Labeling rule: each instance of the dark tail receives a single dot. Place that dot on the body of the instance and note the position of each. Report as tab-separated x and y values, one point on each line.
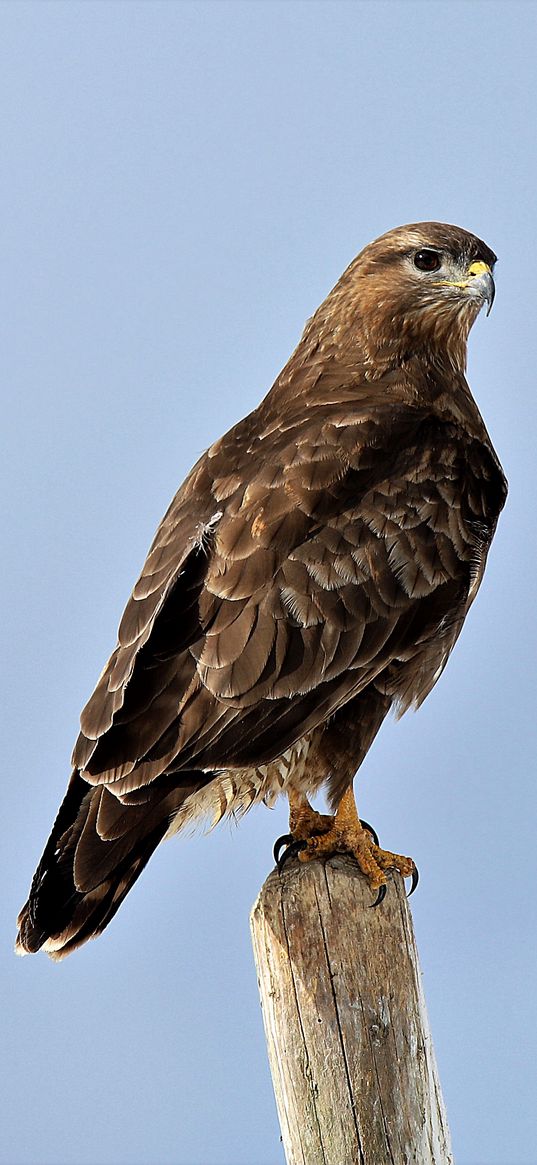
96	851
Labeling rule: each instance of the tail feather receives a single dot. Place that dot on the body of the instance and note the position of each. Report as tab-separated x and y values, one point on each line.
82	877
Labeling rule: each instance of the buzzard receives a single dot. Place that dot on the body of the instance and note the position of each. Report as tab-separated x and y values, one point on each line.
312	572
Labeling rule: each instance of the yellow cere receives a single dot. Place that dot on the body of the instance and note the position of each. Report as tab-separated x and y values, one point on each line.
479	268
476	268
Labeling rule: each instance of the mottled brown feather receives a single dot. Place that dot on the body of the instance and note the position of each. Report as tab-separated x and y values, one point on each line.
314	570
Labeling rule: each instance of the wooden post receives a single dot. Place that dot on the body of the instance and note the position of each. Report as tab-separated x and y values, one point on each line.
348	1037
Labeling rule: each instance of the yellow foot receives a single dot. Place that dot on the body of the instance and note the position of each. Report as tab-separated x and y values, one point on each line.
305	822
315	835
354	839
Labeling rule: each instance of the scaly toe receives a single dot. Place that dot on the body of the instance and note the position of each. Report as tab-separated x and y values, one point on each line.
388	861
308	823
373	861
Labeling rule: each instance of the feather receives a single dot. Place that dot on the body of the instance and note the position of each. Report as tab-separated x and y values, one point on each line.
314	570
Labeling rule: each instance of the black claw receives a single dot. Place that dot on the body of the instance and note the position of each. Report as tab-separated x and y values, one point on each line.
370	830
280	842
415	880
291	852
380	896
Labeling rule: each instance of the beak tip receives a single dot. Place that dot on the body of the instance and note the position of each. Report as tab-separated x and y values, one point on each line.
484	280
490	292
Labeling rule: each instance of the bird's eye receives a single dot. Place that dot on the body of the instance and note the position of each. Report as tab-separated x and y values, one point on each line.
427	260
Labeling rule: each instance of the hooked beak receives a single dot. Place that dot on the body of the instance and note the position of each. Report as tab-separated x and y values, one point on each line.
481	281
478	282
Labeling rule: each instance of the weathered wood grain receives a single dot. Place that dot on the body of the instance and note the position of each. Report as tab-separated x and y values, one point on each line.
348	1037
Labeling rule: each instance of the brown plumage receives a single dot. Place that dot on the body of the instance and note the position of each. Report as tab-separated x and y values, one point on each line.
314	570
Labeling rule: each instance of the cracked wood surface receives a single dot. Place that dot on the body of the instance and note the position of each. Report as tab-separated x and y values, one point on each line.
348	1037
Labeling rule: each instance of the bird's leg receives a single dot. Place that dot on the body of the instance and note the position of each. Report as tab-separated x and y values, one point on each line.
315	834
304	821
347	834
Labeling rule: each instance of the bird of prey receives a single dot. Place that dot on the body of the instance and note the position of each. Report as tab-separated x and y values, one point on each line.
312	572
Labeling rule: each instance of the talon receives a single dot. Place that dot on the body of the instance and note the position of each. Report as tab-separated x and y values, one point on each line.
415	880
291	852
280	842
321	836
380	896
370	830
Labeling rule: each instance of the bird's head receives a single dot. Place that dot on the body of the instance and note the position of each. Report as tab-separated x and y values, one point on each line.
415	290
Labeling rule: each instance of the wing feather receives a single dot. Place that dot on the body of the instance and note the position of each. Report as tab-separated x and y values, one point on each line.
253	622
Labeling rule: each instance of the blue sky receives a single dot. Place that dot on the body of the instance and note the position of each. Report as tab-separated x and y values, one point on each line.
181	185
